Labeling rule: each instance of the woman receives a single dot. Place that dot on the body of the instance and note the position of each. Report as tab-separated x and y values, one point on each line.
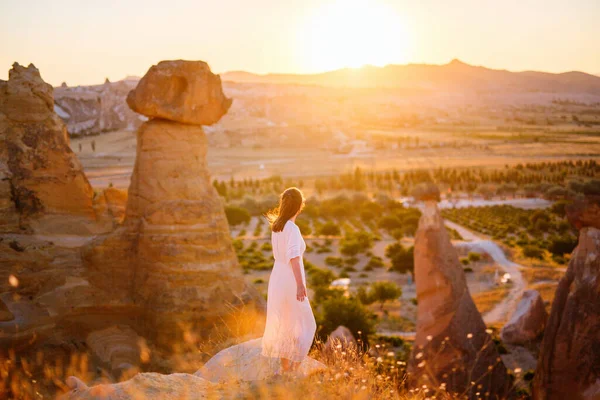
291	326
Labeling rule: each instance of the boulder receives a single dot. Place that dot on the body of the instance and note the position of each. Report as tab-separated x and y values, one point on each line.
144	386
528	320
180	91
569	360
451	345
118	347
341	336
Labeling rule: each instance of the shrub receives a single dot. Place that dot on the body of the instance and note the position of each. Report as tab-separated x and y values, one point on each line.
402	259
237	215
474	257
562	245
351	261
468	269
375	262
329	229
349	312
333	261
320	277
304	227
532	251
266	246
384	291
389	223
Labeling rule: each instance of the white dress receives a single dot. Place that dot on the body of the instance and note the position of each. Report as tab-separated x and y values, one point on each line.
290	327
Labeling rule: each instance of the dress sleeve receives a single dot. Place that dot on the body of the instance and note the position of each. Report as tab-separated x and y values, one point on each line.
294	244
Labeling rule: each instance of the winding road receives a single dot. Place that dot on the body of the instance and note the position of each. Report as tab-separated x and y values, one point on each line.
501	312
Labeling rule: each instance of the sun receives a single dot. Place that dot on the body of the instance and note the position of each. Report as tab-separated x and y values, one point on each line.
353	33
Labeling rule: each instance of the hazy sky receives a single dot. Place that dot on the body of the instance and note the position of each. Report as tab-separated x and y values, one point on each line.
84	41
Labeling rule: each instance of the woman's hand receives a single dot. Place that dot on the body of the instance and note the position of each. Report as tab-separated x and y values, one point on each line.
300	293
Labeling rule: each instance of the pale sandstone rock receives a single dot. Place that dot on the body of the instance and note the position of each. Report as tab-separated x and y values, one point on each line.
569	360
528	320
451	344
144	386
181	91
245	362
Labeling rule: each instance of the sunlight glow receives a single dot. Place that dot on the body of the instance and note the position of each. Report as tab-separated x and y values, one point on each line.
353	33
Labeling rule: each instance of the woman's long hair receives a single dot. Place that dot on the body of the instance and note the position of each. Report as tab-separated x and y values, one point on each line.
290	202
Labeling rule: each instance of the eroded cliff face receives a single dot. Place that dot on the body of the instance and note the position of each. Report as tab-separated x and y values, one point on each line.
42	185
451	345
569	360
48	210
94	109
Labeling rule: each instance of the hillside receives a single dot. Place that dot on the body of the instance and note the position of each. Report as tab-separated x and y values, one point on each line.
454	76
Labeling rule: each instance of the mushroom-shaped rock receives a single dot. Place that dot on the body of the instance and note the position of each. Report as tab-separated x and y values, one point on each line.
426	192
180	91
585	211
528	320
451	344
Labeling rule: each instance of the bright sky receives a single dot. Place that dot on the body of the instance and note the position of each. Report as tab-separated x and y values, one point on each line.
82	42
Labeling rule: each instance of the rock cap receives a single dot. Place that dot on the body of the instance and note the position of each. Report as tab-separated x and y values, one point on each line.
181	91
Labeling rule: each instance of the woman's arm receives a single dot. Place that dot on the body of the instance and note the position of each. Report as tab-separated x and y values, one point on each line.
300	288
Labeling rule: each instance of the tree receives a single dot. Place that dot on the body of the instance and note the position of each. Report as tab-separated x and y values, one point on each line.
402	258
236	215
384	291
562	245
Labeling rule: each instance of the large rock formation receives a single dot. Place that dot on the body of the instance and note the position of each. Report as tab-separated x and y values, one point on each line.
528	320
93	109
173	258
569	362
47	212
42	185
180	91
451	344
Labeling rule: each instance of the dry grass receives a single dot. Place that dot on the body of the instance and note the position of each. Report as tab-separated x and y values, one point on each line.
539	274
485	301
547	291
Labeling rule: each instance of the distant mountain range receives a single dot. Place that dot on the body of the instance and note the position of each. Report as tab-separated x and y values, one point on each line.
454	76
